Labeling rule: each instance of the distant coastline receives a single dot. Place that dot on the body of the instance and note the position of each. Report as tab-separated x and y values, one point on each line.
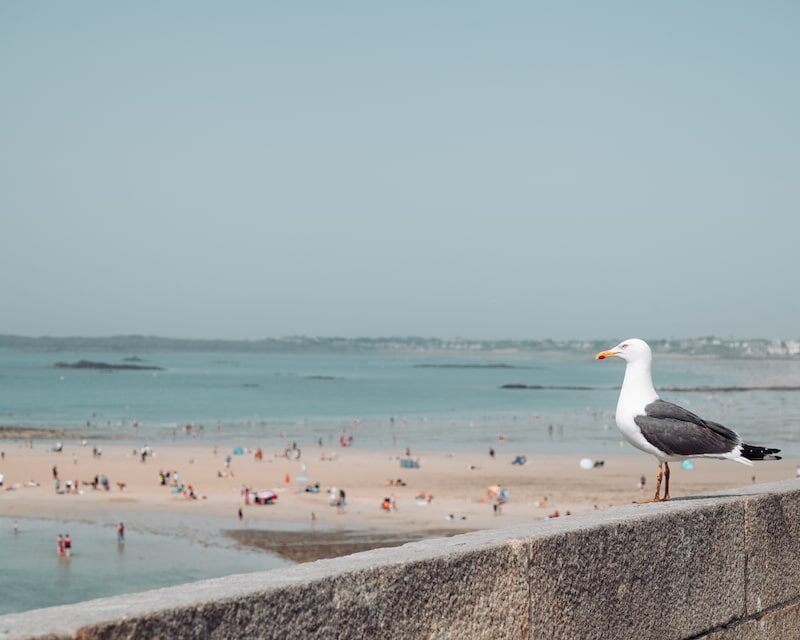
132	344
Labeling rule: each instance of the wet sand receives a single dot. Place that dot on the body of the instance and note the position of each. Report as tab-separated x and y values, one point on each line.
15	433
305	546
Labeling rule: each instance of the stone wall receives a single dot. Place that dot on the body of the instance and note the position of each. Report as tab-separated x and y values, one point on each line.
724	567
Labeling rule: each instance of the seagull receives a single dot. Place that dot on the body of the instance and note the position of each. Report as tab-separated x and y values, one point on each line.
665	430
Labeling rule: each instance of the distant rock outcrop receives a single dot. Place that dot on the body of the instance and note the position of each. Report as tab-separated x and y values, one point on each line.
545	387
465	365
105	366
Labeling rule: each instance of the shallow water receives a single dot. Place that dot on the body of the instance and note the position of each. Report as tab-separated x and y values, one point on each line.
252	399
32	575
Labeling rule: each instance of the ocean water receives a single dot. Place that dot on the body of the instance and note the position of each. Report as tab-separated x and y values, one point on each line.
383	400
32	575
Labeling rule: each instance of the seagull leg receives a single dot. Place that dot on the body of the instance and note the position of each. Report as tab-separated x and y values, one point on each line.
666	481
657	498
659	475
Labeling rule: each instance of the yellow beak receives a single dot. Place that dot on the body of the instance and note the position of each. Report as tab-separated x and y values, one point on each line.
605	354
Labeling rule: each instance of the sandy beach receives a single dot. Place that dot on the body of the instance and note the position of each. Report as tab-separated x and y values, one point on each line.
458	483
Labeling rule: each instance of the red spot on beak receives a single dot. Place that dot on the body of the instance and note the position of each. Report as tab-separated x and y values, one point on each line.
601	357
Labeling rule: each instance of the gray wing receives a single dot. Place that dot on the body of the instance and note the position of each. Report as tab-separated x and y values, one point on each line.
676	431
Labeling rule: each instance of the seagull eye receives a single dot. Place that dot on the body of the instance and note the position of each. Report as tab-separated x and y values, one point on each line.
624	346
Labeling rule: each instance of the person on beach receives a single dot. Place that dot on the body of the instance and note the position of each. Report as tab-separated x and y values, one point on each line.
55	472
120	532
241	514
60	545
67	546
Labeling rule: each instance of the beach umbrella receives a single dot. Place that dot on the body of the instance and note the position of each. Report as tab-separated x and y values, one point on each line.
238	451
688	465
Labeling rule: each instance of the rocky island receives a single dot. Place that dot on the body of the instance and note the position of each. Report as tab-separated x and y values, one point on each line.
105	366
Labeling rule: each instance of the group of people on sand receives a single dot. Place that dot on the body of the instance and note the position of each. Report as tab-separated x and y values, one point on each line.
172	479
168	477
345	439
337	498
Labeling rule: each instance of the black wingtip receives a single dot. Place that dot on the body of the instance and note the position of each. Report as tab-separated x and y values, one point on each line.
751	452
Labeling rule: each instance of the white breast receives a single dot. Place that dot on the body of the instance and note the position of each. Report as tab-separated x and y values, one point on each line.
636	393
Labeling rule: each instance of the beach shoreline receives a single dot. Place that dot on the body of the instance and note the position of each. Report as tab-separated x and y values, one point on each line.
448	492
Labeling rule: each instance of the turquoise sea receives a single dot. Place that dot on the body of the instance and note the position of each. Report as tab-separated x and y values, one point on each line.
422	400
33	575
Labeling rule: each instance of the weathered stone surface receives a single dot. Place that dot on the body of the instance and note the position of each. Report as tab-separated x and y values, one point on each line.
727	566
779	624
473	586
671	574
773	548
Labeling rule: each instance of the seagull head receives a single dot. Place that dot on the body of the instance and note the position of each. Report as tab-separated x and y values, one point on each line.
630	350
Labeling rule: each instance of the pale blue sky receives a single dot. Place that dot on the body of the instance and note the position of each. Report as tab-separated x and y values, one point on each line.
512	169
